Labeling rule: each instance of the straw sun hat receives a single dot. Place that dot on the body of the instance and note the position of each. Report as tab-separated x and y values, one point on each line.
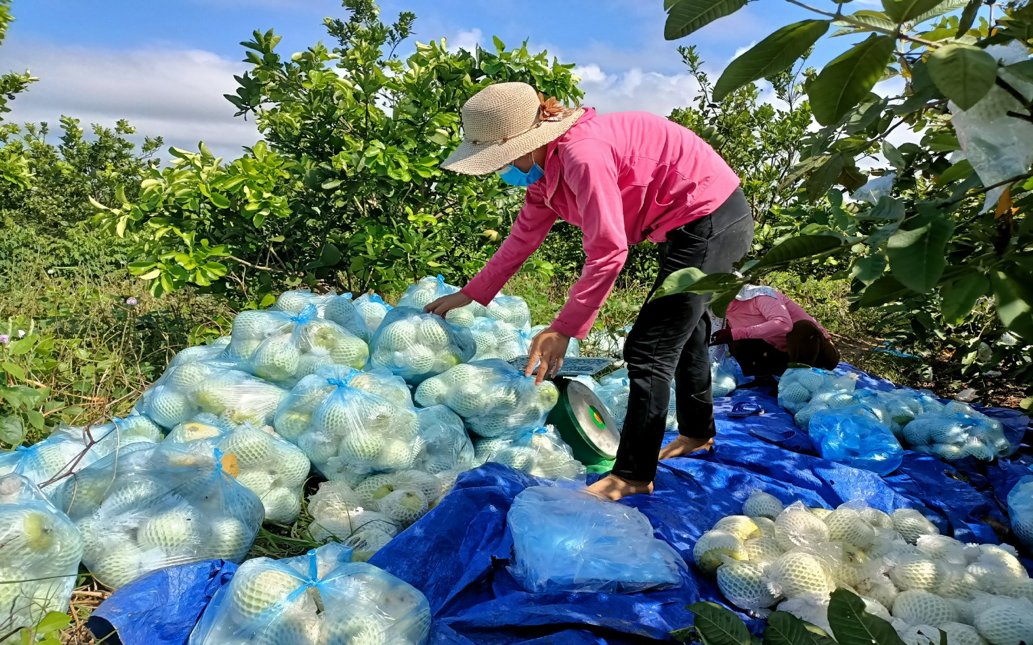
504	122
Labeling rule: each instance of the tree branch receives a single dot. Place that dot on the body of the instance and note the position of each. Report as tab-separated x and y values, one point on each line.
887	32
248	264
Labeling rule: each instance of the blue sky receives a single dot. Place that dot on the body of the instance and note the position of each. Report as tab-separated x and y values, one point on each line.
165	65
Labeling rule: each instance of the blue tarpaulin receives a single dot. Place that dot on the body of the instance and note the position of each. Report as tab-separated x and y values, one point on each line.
459	553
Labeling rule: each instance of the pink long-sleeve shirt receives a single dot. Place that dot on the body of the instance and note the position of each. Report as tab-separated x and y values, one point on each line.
621	178
766	318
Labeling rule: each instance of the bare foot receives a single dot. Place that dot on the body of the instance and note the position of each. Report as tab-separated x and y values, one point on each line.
614	488
682	446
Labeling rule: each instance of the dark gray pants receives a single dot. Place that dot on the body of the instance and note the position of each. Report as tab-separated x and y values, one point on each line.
670	340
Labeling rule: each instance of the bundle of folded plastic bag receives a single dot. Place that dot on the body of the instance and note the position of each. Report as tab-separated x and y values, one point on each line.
151	506
269	466
567	540
352	423
373	309
320	598
366	516
956	431
540	452
573	347
446	443
188	389
492	397
722	377
855	436
40	550
283	348
497	339
429	289
798	386
416	345
1020	509
69	449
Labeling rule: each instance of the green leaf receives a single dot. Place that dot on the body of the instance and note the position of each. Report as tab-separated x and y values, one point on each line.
960	170
719	626
959	297
1013	295
719	305
11	430
770	56
1023	69
851	625
887	209
904	10
220	201
693	280
939	10
884	290
968	17
329	256
893	155
963	73
917	251
819	181
36	419
686	16
684	635
798	247
868	20
849	78
868	269
16	372
786	629
53	622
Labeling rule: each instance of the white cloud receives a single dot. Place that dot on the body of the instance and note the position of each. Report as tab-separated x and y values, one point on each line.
467	39
636	89
742	50
173	93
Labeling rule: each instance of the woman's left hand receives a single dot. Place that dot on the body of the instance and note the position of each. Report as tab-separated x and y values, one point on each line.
547	350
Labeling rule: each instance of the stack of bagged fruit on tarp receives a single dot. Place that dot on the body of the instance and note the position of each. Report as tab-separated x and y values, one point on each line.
791	558
870	429
227	437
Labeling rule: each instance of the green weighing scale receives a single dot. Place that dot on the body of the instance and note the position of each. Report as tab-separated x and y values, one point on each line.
580	416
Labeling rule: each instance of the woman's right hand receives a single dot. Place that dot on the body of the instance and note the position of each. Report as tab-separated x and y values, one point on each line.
445	304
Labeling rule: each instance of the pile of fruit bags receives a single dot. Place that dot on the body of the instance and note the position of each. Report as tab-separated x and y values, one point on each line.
497	339
906	572
539	452
956	431
40	550
151	506
320	598
798	386
567	540
417	346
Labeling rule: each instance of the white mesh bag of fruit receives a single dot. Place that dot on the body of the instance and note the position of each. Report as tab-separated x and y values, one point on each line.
492	397
69	449
512	310
417	345
351	423
213	351
186	390
372	308
957	431
447	445
429	289
799	385
320	598
540	452
269	466
40	550
297	300
283	348
498	339
151	506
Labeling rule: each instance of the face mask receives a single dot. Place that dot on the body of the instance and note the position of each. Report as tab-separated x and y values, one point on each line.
516	177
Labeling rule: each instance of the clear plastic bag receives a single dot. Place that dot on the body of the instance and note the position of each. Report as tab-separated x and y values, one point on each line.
296	301
40	550
1020	509
352	423
372	308
342	311
416	345
69	449
854	436
722	377
956	431
321	598
186	390
540	452
497	339
283	348
573	347
153	506
429	289
447	446
798	386
213	351
614	393
512	310
822	401
269	466
566	540
492	397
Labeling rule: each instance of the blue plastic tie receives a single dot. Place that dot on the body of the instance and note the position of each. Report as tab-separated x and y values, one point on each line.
347	295
377	299
342	382
441	279
23	449
307	314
